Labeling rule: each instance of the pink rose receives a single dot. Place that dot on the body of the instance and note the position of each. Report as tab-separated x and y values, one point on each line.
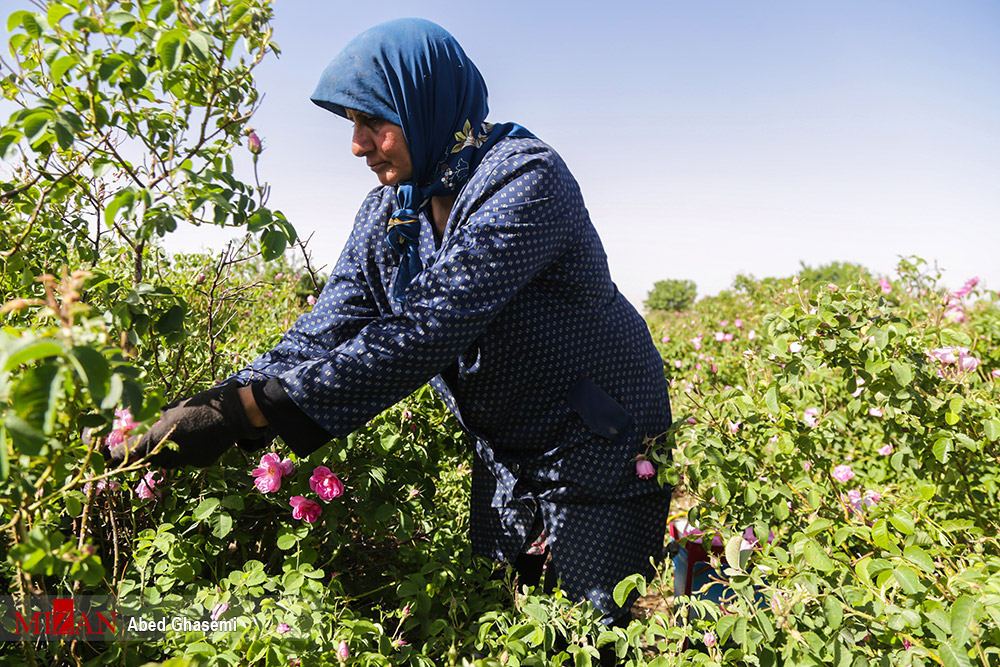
343	653
267	476
751	335
969	285
326	485
875	412
102	484
307	510
884	283
124	421
885	450
738	323
719	336
643	468
795	347
218	610
287	467
843	473
147	485
967	362
311	300
284	628
709	639
947	355
811	416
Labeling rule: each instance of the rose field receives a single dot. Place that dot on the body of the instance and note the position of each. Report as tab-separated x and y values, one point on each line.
835	433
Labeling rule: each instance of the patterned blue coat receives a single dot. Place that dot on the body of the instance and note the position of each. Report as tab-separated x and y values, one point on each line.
517	325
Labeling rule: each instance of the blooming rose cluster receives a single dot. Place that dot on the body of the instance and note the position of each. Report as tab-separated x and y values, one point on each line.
326	485
954	310
954	355
268	475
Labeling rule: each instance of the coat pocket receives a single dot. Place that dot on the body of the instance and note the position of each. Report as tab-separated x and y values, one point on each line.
601	413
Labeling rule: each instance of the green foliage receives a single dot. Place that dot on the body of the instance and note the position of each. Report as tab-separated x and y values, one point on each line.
778	388
127	116
671	295
834	273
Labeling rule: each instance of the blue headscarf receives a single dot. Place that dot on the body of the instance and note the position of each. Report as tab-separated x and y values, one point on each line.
413	73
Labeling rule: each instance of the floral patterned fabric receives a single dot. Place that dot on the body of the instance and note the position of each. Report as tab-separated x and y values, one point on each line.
516	323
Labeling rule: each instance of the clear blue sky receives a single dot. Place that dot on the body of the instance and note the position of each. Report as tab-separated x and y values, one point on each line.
710	138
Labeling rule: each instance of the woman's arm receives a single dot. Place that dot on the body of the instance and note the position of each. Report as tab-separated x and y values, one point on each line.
522	219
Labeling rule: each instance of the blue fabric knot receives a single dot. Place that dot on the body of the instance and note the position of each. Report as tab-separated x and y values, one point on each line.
404	237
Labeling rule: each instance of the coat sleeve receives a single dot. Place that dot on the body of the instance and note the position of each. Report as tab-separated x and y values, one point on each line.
515	227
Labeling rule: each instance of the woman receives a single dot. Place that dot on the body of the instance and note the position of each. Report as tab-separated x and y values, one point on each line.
474	267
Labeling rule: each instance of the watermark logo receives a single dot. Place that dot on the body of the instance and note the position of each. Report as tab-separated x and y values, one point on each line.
97	618
57	618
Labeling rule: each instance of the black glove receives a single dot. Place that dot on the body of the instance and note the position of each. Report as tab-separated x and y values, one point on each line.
204	426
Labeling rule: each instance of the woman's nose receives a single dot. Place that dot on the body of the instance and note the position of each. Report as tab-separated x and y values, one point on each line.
361	142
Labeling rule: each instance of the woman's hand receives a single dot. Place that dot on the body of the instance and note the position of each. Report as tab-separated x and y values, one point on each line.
203	426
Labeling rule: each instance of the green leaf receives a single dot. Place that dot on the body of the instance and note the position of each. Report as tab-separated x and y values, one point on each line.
293	580
171	321
116	387
952	337
991	427
919	557
61	66
24	437
626	586
15	19
389	442
31	349
125	198
817	557
4	456
205	509
962	616
35	125
170	48
93	369
881	536
32	25
954	657
881	337
199	44
902	372
771	399
902	522
222	524
36	396
273	244
57	13
834	612
8	141
733	551
908	579
942	447
286	541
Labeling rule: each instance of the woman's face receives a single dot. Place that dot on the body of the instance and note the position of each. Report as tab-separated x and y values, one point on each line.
383	146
